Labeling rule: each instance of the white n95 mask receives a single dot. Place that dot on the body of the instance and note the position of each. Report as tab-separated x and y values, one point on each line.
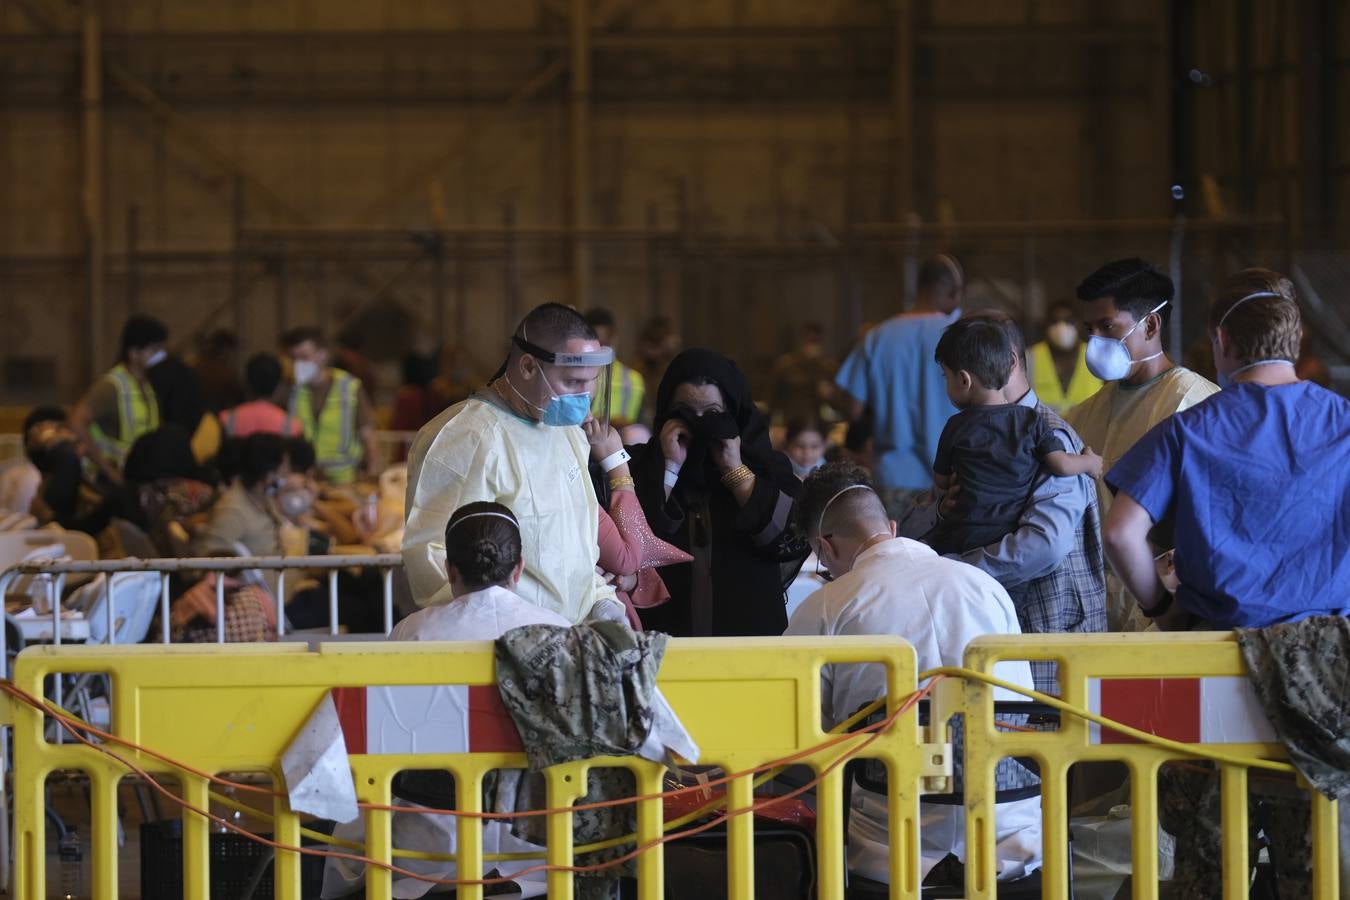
305	371
1109	359
1061	335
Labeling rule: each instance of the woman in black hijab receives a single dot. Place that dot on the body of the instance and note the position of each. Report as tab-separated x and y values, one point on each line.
711	484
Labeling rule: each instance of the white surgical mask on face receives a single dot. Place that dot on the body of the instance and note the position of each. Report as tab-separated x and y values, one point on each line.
305	371
156	358
1109	359
295	502
1061	335
802	471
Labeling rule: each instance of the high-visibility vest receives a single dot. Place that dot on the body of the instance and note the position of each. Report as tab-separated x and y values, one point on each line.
337	446
137	414
627	389
1049	389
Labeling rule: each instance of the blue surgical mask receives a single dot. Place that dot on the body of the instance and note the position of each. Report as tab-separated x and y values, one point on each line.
569	409
561	410
1109	359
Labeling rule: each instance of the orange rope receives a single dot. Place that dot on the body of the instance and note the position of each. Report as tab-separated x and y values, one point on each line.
74	726
72	722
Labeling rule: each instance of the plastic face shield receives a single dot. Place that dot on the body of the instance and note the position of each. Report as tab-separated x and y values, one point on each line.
602	359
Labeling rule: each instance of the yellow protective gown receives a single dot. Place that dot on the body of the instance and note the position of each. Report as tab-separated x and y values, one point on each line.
1110	422
476	451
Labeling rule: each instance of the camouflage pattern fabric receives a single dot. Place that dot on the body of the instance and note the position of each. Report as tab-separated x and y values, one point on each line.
1301	672
1189	804
577	693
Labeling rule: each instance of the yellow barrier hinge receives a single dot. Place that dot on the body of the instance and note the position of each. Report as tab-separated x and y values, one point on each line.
937	768
947	698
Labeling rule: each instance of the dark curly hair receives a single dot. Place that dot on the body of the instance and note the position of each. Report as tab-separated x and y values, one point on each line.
482	542
825	483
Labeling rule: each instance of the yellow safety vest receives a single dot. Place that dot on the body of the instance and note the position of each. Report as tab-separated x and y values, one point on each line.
337	446
1045	379
137	414
627	389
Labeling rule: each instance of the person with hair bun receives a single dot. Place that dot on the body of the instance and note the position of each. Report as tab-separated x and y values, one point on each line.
1255	481
483	565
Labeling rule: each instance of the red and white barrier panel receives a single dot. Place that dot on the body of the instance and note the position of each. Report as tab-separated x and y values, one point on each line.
427	718
1210	710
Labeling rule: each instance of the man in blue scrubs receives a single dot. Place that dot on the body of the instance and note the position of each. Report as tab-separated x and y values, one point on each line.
1254	481
892	373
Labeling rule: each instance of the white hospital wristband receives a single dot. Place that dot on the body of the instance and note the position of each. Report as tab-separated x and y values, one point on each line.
614	460
672	474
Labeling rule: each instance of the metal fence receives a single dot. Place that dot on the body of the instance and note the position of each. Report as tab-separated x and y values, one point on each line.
52	574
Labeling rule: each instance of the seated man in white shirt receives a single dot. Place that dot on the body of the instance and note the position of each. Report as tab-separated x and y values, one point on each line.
883	584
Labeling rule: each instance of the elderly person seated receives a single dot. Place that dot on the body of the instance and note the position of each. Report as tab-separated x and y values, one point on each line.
883	584
1254	481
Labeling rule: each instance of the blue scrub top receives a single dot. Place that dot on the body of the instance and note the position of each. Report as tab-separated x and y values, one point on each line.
893	372
1256	480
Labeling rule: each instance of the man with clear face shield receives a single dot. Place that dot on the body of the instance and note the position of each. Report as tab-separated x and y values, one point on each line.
518	442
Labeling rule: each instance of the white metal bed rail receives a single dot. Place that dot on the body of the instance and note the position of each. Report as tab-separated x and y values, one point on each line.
54	572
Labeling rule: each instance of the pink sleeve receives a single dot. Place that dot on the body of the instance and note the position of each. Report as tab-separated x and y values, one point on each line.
620	548
650	591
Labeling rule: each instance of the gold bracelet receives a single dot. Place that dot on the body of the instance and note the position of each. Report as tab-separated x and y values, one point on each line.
737	476
622	483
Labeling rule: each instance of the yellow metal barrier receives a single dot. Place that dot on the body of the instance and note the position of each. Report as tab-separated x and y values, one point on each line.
746	702
1086	664
237	708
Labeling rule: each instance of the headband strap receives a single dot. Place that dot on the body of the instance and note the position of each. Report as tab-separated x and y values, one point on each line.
1254	296
826	508
602	357
479	515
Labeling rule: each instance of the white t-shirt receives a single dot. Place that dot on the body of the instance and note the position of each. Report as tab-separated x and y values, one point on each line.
481	616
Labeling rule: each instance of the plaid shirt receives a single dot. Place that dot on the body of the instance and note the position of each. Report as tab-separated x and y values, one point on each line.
1073	596
1068	593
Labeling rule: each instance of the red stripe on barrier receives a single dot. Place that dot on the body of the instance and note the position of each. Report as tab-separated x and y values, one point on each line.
491	729
1166	707
351	710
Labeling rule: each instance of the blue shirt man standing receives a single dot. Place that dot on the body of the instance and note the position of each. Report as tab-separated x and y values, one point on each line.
1254	482
892	373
